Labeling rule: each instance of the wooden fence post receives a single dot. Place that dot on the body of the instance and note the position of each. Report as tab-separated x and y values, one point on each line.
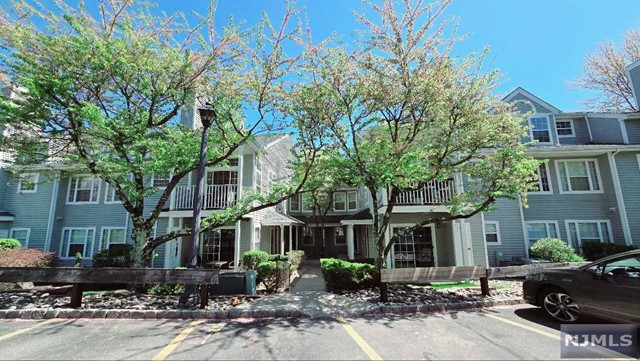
204	295
484	285
384	294
76	295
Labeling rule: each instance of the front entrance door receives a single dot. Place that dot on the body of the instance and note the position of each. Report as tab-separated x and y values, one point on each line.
414	249
173	250
218	247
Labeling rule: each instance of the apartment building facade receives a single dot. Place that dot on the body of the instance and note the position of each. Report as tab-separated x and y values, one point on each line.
588	189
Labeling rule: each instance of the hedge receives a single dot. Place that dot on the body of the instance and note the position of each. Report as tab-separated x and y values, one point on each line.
251	259
593	250
343	275
9	243
554	250
26	258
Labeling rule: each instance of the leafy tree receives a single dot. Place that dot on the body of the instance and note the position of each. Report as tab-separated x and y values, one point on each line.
605	72
403	110
103	91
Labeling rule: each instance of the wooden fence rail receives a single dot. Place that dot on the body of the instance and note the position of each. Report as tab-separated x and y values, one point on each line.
80	276
457	274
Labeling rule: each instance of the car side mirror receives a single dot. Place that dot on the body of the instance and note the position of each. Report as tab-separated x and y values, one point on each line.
594	271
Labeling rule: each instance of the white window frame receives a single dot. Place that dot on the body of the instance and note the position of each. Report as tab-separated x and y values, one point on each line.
95	179
26	243
546	116
336	238
313	240
108	240
546	223
23	177
573	129
579	240
333	198
258	175
550	191
585	161
108	189
497	224
304	207
153	180
355	196
255	244
299	198
70	229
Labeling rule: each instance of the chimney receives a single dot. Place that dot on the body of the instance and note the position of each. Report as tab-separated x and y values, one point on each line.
633	72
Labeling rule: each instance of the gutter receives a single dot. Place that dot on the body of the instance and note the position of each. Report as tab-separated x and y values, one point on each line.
622	210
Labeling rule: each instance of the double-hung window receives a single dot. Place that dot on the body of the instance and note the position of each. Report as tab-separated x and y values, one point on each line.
581	231
161	180
28	183
307	203
540	129
352	200
564	128
339	201
579	176
258	175
492	233
77	240
294	203
339	239
110	194
83	189
21	234
112	237
543	183
541	229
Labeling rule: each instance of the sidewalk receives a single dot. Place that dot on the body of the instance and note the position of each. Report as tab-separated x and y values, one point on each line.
310	298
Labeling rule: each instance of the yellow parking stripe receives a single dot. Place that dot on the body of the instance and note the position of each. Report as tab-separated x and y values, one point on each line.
359	340
21	331
176	341
521	325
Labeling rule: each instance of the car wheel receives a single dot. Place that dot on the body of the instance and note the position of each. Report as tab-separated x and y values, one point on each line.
560	305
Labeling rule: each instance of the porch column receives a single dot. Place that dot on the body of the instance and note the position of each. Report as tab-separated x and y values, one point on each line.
236	251
290	237
387	239
350	246
282	239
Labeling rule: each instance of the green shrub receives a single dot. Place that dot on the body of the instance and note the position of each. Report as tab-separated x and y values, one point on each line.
295	258
115	256
274	275
9	243
251	259
26	258
554	250
278	257
593	250
343	275
166	289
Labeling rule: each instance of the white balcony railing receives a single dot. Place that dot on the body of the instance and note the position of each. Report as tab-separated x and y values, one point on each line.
214	196
433	193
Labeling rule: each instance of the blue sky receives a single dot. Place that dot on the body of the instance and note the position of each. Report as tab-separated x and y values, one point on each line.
539	45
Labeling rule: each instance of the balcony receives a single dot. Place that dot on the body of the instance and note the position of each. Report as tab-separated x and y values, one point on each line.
218	196
433	193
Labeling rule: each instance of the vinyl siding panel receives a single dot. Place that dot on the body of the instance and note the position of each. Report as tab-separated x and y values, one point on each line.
629	175
606	130
634	74
507	213
539	108
633	130
477	241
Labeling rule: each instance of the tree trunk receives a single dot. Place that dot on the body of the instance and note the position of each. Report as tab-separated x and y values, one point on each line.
141	250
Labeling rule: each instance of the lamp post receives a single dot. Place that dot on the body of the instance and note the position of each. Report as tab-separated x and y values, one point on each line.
191	297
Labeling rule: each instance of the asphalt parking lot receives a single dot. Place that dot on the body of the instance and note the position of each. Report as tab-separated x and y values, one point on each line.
502	333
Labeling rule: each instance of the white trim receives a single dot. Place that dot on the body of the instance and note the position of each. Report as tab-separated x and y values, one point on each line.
107	188
549	182
26	242
70	229
628	74
586	119
585	160
109	229
298	196
523	226
255	243
333	198
522	91
597	221
497	224
94	178
52	211
638	156
622	210
357	222
391	257
573	129
546	223
486	251
531	129
35	183
348	200
623	130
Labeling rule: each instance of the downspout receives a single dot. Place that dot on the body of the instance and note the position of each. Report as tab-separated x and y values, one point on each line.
586	119
525	234
52	209
620	200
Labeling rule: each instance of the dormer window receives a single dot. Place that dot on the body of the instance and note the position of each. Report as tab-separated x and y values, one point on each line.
540	129
565	128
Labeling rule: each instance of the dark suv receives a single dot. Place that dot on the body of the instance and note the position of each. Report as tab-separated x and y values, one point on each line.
608	288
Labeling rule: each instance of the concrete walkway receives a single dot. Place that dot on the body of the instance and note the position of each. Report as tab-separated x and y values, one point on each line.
310	298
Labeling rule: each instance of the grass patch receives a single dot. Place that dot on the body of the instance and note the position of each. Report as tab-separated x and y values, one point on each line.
93	293
441	286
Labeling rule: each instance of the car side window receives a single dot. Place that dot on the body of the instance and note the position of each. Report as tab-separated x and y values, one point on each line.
628	267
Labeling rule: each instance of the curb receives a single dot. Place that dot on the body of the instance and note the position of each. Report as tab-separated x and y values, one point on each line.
235	313
437	307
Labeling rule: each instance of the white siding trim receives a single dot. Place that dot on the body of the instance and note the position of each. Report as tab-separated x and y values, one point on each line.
586	119
525	236
486	251
623	130
622	209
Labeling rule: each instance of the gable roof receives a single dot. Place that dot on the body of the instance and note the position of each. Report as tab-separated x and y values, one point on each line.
525	93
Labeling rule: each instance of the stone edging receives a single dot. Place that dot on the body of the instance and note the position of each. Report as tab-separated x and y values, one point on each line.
234	313
438	307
